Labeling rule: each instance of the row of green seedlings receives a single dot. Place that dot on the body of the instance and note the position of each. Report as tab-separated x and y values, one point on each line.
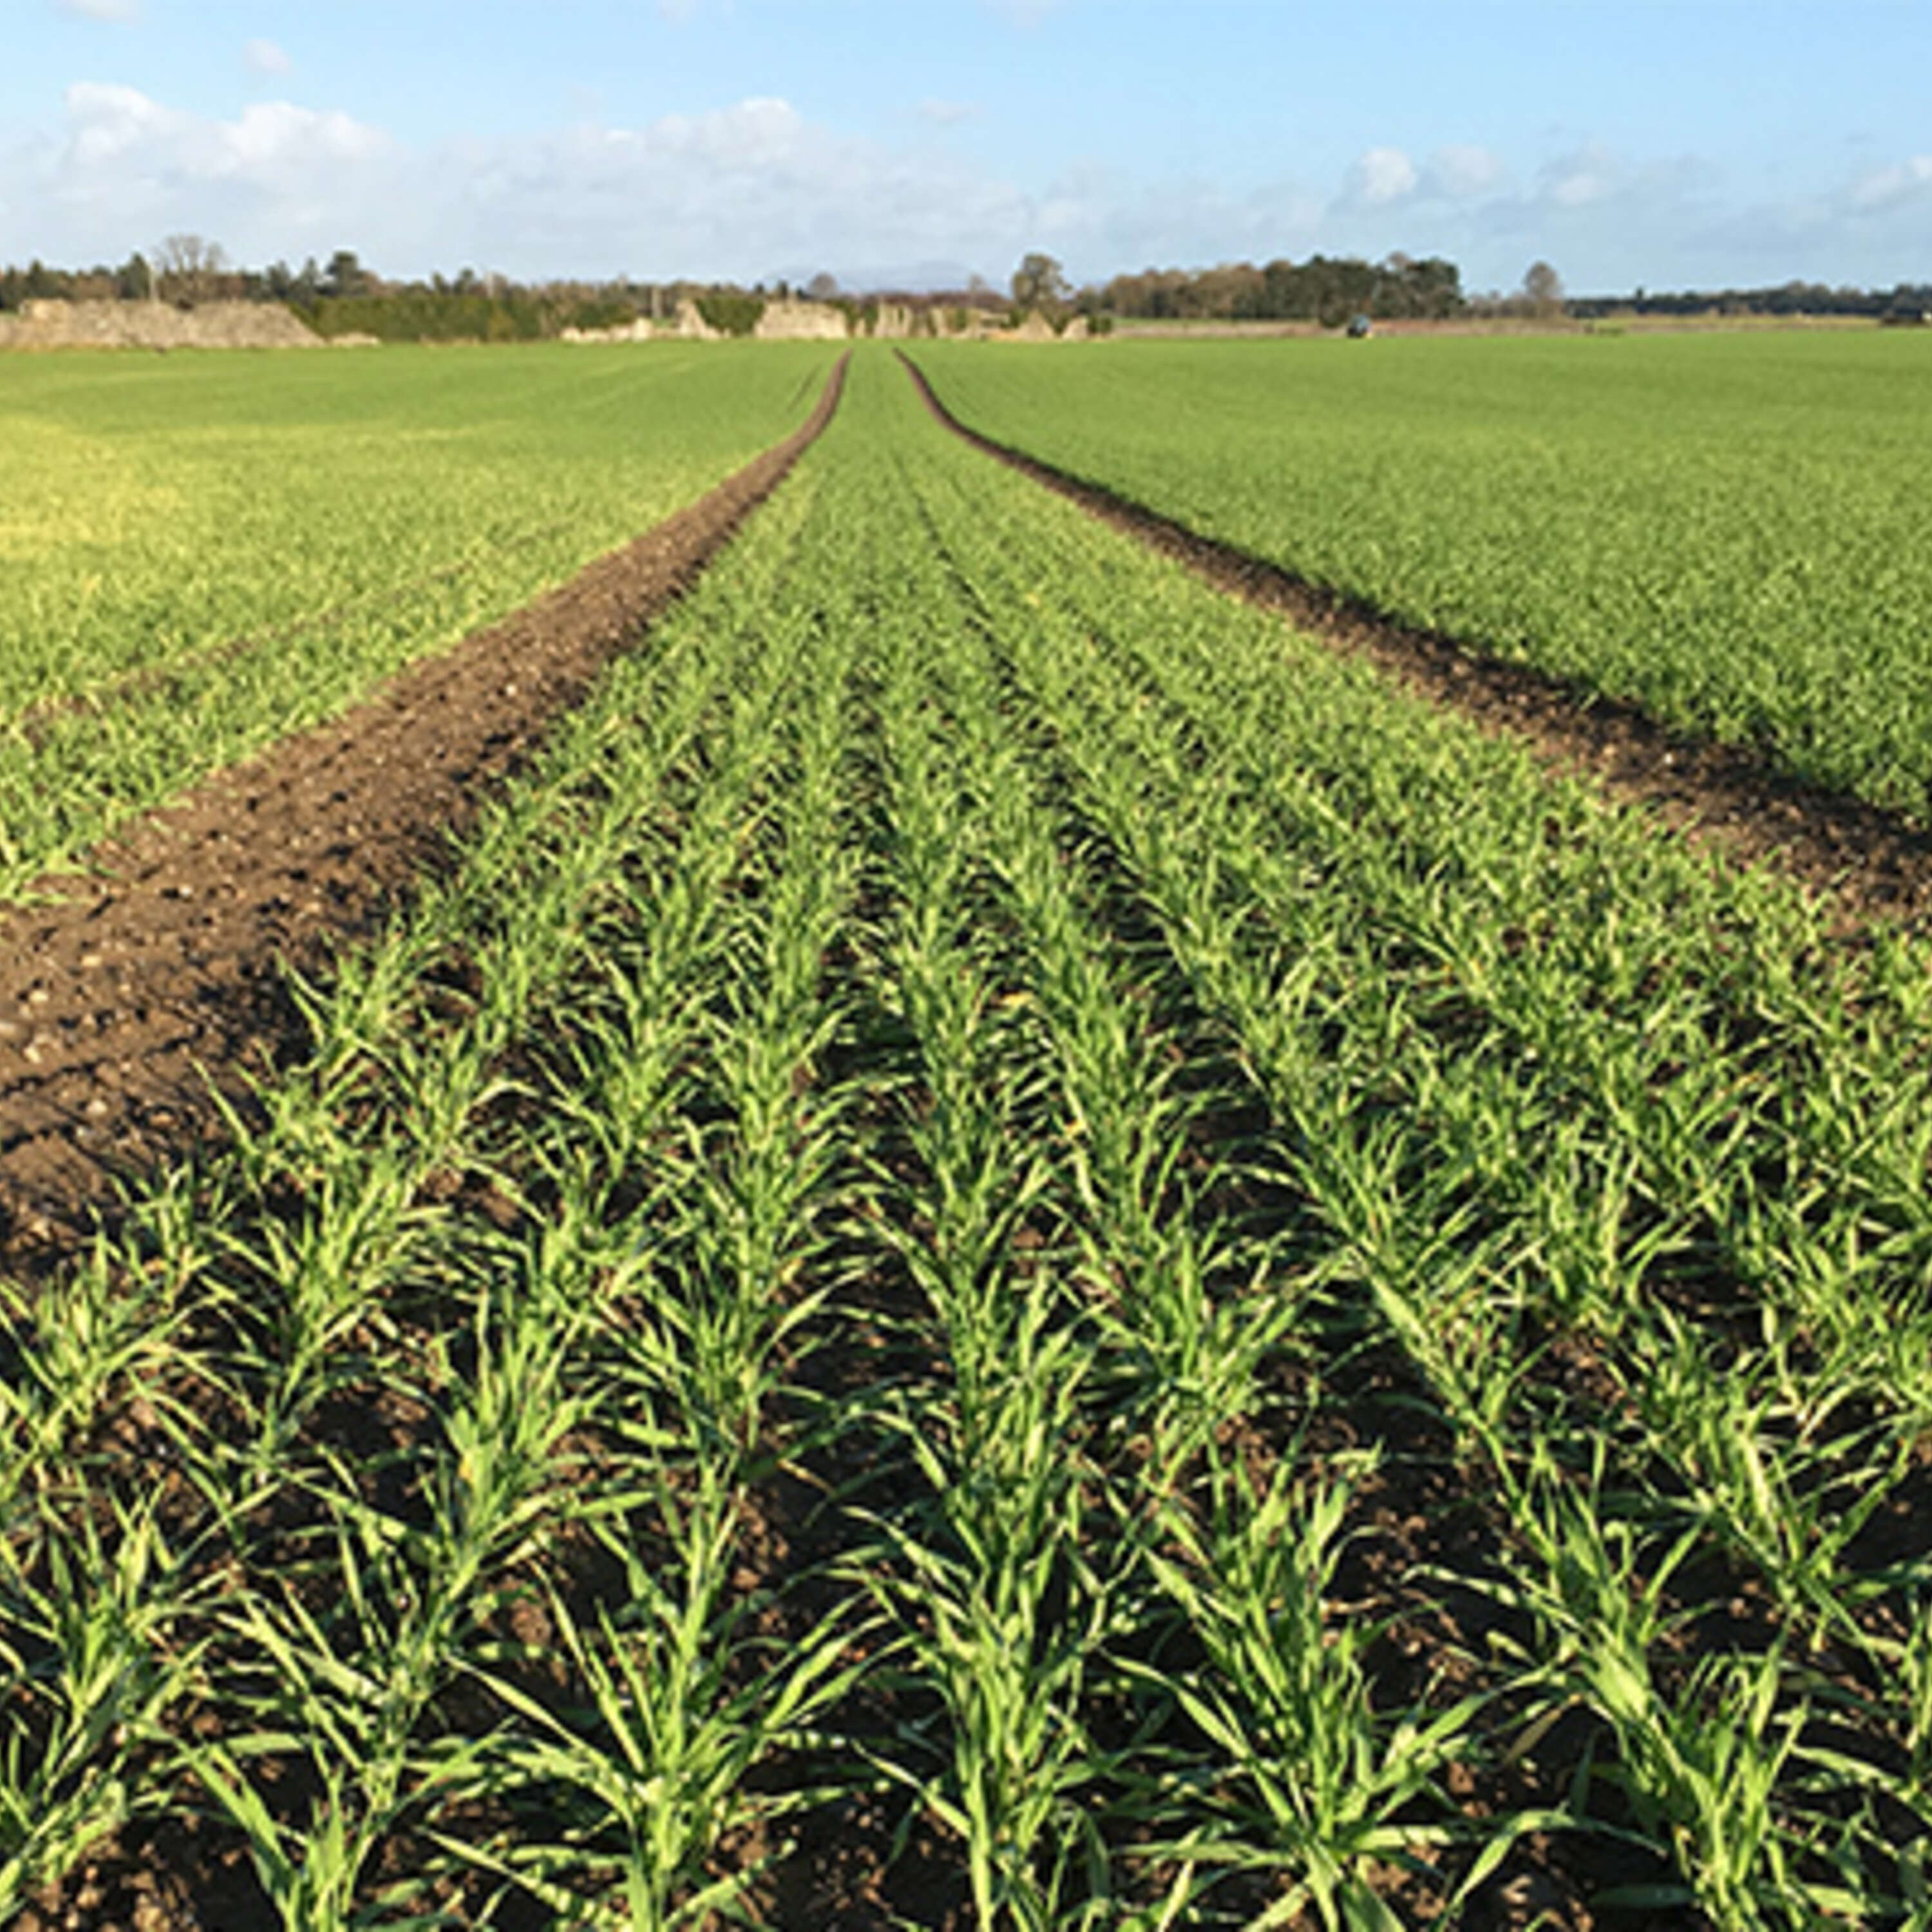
1403	1254
73	771
318	1641
1126	1623
1734	542
707	1694
1427	1166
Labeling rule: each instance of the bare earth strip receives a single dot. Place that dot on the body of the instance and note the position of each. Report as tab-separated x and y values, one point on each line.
1874	864
165	960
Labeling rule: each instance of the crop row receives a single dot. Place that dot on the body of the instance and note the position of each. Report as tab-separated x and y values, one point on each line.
1729	531
1009	1222
204	555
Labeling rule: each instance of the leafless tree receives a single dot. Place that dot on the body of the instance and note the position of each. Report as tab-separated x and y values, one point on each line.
187	269
1543	291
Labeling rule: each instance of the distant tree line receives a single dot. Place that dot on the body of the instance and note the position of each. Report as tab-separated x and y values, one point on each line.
185	270
343	297
349	300
1325	289
1787	298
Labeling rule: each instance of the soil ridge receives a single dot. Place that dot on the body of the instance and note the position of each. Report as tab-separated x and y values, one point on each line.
1874	864
166	957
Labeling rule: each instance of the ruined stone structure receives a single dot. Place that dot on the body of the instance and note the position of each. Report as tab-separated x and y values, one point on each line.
154	325
690	323
638	329
795	321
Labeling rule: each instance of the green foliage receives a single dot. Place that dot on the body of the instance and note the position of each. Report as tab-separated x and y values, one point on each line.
1730	531
427	315
204	553
606	312
731	311
1004	1205
1326	288
1040	283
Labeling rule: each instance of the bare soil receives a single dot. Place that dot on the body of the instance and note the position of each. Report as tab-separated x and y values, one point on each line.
1874	864
131	989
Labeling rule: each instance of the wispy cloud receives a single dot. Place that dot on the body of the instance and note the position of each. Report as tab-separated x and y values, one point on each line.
127	167
946	113
1458	171
265	57
741	191
102	9
1588	174
1903	182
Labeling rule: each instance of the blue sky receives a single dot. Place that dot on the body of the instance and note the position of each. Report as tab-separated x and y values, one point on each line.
1660	143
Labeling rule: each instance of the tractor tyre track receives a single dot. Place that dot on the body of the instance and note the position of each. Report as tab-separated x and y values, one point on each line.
1874	864
163	963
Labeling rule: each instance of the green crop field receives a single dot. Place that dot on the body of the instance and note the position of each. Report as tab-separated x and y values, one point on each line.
203	552
1015	1251
1733	530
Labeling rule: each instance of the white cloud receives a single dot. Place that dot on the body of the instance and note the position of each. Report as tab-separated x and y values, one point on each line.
740	190
122	127
266	57
1589	174
104	122
276	180
1460	172
273	133
756	187
746	190
1378	177
946	113
1883	188
102	9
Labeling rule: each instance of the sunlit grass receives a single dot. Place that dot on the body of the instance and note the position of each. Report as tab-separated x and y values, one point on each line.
1728	529
205	554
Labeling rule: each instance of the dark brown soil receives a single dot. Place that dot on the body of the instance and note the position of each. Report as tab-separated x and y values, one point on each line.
162	967
1874	864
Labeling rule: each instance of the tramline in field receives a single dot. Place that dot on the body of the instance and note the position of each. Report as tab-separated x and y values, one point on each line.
1012	1250
1732	531
205	555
